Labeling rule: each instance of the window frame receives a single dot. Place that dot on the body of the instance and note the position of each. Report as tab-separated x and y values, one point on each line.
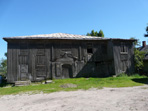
123	48
89	48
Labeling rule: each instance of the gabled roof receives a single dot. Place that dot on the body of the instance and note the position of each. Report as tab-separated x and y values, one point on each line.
63	36
146	50
55	36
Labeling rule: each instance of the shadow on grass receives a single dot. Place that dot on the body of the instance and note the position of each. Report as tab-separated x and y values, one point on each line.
4	84
141	80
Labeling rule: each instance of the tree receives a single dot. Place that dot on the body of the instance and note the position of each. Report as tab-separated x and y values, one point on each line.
3	66
101	34
147	29
138	56
95	33
146	35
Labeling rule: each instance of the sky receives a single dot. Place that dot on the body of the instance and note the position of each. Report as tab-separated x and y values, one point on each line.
117	18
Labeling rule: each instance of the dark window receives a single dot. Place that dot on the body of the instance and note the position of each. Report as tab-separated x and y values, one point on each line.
89	48
123	48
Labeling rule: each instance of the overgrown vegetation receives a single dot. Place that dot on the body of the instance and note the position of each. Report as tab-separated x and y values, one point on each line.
138	56
80	83
3	66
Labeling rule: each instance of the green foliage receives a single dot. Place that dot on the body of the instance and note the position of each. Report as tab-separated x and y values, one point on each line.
3	66
146	35
131	75
81	83
137	42
122	75
101	34
139	56
88	34
5	54
95	33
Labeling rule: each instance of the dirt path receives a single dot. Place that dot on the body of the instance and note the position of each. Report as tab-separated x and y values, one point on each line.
107	99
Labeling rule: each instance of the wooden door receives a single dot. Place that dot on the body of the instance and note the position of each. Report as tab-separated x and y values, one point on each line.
66	71
40	61
23	62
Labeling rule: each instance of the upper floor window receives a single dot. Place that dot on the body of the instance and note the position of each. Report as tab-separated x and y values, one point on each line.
89	48
123	48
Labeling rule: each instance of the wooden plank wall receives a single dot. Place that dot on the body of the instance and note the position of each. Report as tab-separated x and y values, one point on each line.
12	62
106	58
121	65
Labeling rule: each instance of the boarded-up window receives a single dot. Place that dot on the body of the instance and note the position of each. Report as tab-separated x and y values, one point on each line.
40	60
41	49
40	71
23	49
23	59
104	48
124	56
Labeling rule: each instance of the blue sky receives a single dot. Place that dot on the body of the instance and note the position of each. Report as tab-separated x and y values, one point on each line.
117	18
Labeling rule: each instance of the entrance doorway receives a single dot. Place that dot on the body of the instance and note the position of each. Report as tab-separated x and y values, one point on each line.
66	71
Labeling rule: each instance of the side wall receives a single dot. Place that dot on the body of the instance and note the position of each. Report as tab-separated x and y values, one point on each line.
28	60
123	57
12	61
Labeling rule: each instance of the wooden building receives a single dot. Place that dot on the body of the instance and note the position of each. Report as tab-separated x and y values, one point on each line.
61	55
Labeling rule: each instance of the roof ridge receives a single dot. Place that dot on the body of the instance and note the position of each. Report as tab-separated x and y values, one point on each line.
60	35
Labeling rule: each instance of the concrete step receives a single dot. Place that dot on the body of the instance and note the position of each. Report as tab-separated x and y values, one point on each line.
48	81
22	83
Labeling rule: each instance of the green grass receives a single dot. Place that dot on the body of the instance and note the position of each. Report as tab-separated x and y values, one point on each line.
82	83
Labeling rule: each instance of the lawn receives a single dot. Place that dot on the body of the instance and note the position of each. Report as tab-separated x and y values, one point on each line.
80	83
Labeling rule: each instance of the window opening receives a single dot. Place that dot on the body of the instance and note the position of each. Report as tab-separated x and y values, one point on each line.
123	48
89	48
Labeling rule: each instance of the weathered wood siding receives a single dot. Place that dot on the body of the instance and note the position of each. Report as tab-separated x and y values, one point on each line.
37	60
12	70
123	57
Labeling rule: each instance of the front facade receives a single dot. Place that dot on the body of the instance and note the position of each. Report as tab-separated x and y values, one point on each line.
58	56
